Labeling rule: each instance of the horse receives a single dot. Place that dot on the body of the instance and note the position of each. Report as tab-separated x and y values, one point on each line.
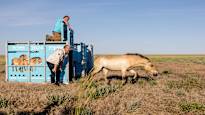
19	61
33	61
124	63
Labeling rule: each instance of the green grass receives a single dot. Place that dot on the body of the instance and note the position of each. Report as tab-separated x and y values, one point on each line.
191	106
180	93
197	59
133	105
187	83
82	111
57	100
3	102
101	91
143	82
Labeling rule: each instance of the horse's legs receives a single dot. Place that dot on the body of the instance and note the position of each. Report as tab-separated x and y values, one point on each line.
96	70
25	68
90	80
17	68
21	69
31	68
105	72
133	72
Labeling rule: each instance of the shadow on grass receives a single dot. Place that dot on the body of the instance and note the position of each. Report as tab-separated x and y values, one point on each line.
130	78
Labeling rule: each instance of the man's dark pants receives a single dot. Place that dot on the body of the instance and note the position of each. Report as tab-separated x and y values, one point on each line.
55	77
65	31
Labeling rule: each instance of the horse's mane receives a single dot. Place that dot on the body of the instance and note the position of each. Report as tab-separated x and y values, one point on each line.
136	54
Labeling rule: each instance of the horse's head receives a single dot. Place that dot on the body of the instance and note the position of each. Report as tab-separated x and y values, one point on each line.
23	58
39	60
151	69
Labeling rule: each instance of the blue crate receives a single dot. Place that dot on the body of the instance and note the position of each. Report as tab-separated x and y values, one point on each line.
40	73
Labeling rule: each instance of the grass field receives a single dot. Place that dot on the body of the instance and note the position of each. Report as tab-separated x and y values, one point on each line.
179	89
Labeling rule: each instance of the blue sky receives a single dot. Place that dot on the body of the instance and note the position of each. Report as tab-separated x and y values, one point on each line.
112	26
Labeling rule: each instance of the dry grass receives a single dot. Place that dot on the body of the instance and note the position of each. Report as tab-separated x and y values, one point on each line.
179	89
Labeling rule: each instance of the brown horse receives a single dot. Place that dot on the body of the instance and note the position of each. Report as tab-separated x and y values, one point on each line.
19	61
123	63
33	61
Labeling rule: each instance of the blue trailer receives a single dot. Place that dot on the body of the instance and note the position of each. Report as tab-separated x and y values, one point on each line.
35	70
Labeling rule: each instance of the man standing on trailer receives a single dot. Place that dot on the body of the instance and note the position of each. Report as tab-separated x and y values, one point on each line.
61	30
54	62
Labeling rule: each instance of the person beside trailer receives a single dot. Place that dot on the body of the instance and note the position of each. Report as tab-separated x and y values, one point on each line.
55	61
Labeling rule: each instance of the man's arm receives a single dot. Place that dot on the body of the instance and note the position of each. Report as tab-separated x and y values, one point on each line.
69	26
55	68
59	56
